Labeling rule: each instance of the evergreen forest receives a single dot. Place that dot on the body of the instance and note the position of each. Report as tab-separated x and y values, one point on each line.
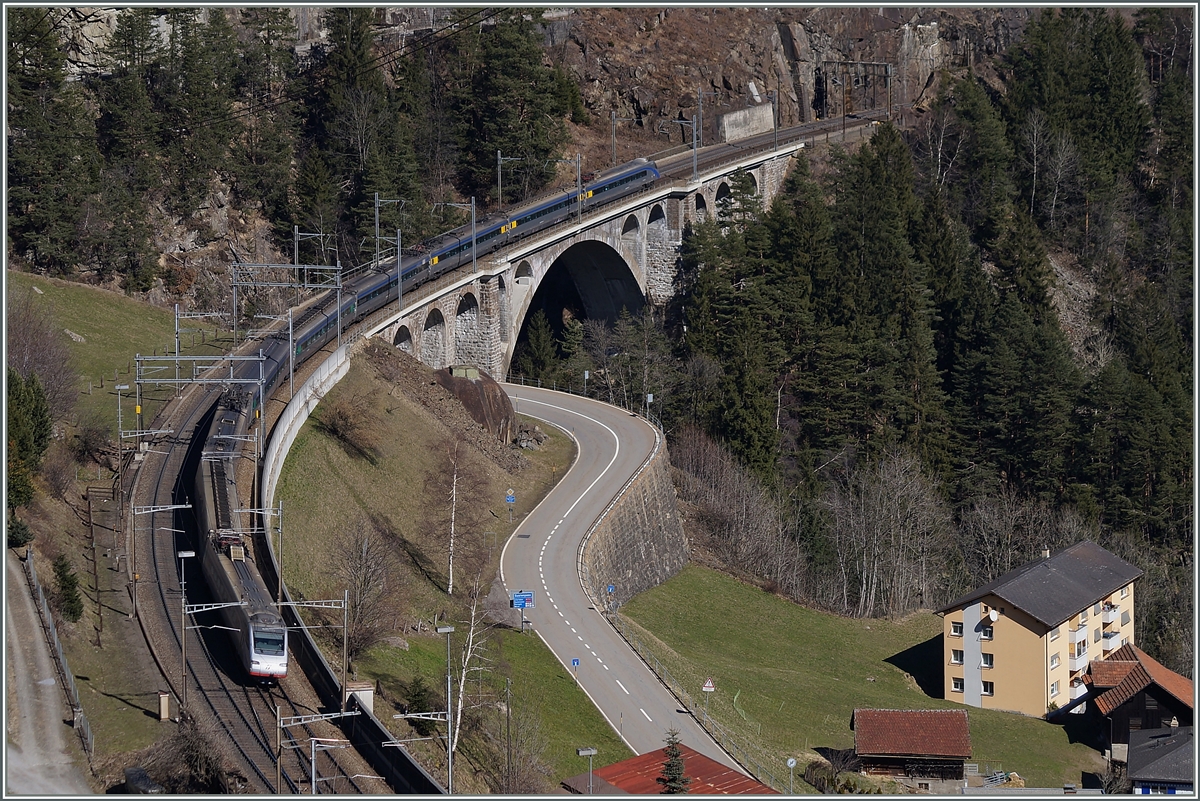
876	394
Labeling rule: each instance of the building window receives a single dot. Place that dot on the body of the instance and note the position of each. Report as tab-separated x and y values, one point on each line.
1054	632
956	684
989	688
1125	591
988	661
1080	648
985	633
1096	609
1125	618
1124	641
956	657
1083	617
955	629
1053	661
1054	689
1097	636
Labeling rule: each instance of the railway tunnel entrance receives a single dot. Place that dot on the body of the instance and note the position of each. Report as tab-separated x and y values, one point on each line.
589	281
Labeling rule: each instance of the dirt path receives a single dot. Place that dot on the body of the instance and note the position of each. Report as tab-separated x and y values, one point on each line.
42	754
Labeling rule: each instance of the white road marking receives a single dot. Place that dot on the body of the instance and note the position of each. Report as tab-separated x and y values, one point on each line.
622	686
647	716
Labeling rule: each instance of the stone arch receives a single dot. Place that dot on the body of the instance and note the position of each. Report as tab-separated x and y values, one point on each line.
753	183
723	192
701	207
658	217
433	340
469	346
524	274
630	228
403	339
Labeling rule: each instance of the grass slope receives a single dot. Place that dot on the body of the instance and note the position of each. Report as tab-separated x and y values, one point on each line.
324	485
115	329
788	678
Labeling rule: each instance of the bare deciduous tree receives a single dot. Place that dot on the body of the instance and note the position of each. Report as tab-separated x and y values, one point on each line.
457	479
37	345
1061	166
363	563
1035	134
892	534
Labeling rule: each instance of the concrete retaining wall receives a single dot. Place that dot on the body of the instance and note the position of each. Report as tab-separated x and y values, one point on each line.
746	123
364	730
638	543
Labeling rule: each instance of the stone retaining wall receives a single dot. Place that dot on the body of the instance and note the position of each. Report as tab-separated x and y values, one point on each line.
638	543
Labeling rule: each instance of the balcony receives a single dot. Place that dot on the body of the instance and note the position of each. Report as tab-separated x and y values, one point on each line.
1112	613
1078	690
1078	662
1079	634
1112	640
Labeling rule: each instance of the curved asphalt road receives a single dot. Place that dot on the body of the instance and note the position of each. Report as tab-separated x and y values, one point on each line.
541	556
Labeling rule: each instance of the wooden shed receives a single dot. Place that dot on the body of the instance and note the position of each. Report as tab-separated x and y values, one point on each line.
918	743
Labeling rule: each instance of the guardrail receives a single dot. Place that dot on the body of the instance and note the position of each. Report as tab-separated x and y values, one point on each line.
80	719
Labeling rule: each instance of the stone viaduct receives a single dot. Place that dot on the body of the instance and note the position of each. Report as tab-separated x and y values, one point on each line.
623	254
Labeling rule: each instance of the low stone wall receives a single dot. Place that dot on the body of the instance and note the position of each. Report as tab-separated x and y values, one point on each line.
638	543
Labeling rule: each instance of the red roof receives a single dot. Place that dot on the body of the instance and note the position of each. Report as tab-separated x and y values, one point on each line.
912	732
1140	671
708	777
1107	673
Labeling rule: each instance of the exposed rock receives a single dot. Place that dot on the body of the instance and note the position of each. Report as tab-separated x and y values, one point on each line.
483	399
529	437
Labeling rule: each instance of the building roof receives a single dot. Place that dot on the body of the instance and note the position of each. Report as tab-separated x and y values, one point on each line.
1162	755
638	776
935	733
1055	588
1128	671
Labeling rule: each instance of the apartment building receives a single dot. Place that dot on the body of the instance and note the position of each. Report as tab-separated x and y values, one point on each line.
1022	643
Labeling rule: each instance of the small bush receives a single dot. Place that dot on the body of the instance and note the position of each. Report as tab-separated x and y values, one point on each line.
19	533
70	601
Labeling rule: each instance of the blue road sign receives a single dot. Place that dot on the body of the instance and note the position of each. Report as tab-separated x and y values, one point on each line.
523	600
612	588
510	498
574	663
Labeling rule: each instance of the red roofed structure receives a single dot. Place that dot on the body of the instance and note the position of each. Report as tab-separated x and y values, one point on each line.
1137	692
926	743
639	776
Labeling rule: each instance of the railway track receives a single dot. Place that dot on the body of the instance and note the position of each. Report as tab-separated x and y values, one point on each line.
244	716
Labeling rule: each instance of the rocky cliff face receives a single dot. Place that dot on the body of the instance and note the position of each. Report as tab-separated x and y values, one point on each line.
656	66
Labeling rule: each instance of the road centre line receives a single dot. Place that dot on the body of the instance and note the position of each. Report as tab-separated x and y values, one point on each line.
622	686
647	716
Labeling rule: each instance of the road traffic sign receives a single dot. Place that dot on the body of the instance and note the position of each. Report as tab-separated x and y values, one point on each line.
709	687
574	663
612	588
523	599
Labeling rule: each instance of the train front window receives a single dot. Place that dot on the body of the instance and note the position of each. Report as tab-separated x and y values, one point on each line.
268	642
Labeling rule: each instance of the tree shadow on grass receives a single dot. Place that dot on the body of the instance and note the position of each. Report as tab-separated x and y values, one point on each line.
923	662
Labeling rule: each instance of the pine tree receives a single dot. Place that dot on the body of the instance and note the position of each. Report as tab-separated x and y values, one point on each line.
507	101
52	160
70	602
673	779
537	356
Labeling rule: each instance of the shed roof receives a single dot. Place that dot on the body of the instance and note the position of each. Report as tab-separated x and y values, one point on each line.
1162	755
1053	589
638	776
936	733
